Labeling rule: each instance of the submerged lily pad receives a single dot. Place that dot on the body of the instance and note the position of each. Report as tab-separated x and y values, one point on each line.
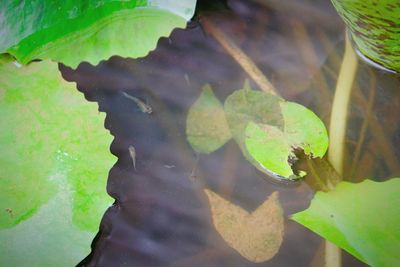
206	126
361	218
257	236
54	163
74	31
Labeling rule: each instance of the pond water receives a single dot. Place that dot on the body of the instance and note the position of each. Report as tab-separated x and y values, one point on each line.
161	216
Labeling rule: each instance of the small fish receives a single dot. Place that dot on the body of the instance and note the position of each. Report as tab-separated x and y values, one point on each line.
169	166
186	76
142	106
132	153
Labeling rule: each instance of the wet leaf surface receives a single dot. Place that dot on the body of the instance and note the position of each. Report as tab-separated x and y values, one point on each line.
360	218
285	126
247	105
206	126
270	149
304	129
273	149
93	30
257	236
54	161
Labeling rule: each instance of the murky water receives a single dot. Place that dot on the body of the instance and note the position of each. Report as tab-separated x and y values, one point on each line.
161	216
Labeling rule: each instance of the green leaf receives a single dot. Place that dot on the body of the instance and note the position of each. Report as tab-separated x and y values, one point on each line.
268	129
74	31
375	28
54	163
246	105
304	129
361	218
270	148
206	126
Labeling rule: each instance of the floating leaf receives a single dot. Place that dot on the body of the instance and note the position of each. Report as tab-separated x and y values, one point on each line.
361	218
304	129
206	126
75	31
272	148
269	147
246	105
268	128
257	236
54	163
375	28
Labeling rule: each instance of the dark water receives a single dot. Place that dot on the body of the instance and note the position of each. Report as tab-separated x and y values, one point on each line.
161	217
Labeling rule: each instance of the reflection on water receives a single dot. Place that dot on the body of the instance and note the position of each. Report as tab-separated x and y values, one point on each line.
161	216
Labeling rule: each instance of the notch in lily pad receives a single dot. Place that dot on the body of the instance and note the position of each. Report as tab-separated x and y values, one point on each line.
273	148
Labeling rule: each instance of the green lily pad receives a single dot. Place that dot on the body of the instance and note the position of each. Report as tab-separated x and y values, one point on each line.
206	126
361	218
273	148
246	105
268	129
270	148
304	129
74	31
54	164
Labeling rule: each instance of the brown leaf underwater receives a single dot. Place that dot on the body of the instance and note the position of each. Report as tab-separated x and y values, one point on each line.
257	236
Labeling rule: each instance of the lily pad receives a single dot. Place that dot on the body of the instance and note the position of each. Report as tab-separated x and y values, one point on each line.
270	148
273	149
304	129
361	218
206	126
257	236
268	129
246	105
74	31
54	164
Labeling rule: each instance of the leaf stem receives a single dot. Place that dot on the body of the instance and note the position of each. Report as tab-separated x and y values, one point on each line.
236	52
337	131
361	138
316	176
338	121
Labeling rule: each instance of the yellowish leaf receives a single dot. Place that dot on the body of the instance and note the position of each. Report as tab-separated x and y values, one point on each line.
257	236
